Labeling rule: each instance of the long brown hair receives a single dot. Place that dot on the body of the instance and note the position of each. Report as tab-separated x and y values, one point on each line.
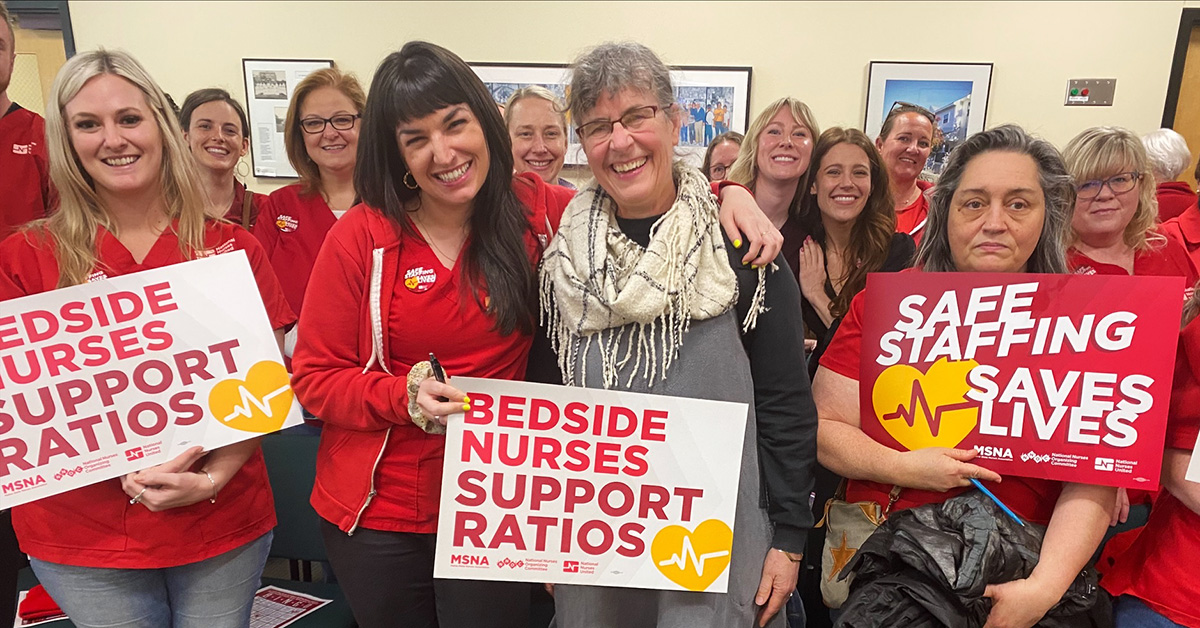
871	235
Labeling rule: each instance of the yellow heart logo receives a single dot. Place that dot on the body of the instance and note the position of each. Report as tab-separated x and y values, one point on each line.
258	404
693	560
411	283
927	409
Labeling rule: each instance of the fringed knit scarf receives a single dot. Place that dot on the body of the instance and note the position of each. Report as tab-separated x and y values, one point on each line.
636	304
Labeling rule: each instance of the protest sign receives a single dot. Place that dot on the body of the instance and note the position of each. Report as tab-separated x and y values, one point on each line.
1060	377
582	486
113	376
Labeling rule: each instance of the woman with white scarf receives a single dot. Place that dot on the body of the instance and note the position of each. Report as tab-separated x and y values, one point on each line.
644	293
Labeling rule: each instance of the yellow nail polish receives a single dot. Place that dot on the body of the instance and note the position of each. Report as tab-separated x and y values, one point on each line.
754	266
737	244
466	399
466	407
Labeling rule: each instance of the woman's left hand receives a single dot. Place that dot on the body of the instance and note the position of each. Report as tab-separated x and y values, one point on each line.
779	576
740	214
1018	604
812	271
170	484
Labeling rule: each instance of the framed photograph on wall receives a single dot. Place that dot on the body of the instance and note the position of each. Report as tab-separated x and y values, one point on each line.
712	99
955	93
269	86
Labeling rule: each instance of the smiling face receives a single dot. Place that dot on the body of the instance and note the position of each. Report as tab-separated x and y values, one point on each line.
907	147
784	148
634	165
215	136
332	150
723	156
539	140
447	154
1105	217
843	183
996	214
115	136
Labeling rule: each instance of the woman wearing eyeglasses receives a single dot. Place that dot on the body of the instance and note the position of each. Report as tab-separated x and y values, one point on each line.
905	141
321	137
1114	229
721	154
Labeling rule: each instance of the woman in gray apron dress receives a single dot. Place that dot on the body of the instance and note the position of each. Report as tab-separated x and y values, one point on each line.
644	293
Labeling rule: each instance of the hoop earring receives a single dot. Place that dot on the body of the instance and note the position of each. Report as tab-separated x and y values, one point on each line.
239	167
413	185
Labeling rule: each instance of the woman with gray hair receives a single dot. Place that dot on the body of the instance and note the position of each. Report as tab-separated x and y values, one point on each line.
1001	205
1169	157
640	261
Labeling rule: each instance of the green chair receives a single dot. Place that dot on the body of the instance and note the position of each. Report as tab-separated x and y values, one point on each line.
292	466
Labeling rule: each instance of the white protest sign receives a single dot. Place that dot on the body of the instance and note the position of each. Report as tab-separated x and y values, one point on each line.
118	375
582	486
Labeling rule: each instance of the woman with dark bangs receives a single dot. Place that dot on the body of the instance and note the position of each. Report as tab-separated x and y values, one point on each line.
439	257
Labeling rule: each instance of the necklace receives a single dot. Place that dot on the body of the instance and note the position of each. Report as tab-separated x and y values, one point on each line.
912	198
429	238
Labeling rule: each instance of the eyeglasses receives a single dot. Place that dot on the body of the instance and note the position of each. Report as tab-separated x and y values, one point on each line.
341	122
1119	184
718	170
598	131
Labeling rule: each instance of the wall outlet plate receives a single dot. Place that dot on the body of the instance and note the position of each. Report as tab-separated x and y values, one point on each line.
1090	92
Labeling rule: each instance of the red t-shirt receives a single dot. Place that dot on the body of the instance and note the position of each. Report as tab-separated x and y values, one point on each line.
1159	566
1173	198
1031	498
465	343
96	526
25	192
1168	260
1184	229
911	219
292	228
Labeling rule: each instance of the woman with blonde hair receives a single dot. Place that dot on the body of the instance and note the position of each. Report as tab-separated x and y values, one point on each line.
537	124
1114	228
774	156
181	544
321	136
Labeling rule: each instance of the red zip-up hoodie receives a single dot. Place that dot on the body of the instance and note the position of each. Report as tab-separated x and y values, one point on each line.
347	372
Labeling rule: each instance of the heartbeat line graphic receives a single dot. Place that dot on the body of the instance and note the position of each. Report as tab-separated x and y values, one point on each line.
249	400
688	554
918	401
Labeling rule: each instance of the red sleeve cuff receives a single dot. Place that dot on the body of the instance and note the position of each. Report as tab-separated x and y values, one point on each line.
717	186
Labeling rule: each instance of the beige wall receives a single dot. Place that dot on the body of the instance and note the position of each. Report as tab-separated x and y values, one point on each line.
816	51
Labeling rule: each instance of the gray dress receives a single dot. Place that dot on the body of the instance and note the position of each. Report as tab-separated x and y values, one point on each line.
706	344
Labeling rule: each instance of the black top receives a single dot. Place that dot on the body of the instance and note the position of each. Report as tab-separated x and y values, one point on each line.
900	255
783	404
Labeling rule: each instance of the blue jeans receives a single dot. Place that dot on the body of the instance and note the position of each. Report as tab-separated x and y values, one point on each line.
213	593
1130	612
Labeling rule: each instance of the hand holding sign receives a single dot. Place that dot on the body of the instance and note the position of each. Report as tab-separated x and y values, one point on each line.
941	469
163	486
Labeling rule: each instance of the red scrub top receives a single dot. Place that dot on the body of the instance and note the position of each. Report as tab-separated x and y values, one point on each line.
96	526
292	228
25	192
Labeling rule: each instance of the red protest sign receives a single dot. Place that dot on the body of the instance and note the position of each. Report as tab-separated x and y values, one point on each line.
1060	377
